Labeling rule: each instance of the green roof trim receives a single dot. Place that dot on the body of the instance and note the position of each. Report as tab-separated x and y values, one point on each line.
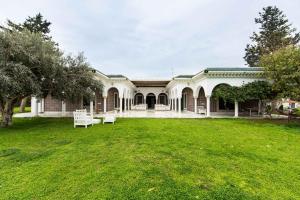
184	76
234	69
116	76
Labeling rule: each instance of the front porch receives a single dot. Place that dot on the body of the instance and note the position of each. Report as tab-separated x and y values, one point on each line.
142	114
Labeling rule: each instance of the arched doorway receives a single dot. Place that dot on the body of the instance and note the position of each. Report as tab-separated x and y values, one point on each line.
187	101
150	101
201	100
138	99
113	102
218	104
162	99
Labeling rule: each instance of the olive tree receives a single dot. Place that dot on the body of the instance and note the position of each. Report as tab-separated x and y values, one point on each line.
28	64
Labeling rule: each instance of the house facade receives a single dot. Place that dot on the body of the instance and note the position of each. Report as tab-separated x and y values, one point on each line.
183	93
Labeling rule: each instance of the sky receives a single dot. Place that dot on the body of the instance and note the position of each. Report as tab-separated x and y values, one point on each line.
152	39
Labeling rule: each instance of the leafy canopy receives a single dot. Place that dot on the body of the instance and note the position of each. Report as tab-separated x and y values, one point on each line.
257	90
283	68
275	32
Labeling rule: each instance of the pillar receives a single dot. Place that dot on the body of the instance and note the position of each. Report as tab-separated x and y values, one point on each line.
34	106
236	109
104	104
92	108
63	108
207	106
195	104
121	103
125	104
175	104
259	107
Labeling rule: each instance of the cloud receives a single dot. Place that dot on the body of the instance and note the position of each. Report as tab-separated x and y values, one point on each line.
151	38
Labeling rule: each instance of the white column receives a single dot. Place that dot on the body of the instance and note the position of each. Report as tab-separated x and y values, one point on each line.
42	105
236	109
34	106
207	106
195	105
175	104
104	104
259	107
125	104
92	108
63	108
121	103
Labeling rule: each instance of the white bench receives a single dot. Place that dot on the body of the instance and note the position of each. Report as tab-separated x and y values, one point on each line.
201	110
139	107
81	118
162	107
109	119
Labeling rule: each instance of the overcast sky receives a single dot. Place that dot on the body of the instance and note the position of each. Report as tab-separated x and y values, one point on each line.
151	38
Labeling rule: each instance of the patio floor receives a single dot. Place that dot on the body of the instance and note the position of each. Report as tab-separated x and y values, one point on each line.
141	114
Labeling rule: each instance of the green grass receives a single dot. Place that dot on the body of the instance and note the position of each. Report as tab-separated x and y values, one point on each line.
150	159
17	109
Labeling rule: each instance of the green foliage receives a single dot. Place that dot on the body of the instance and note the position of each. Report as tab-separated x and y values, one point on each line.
283	68
258	90
275	33
35	24
150	159
229	93
76	80
31	65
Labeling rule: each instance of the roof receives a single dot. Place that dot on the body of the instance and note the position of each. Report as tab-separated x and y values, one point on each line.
150	83
184	76
239	69
116	76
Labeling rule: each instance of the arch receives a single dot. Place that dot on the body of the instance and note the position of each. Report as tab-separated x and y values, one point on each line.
150	100
201	97
197	90
218	105
187	99
162	99
113	99
138	98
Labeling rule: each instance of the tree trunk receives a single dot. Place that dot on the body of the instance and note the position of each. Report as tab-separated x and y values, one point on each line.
6	114
23	104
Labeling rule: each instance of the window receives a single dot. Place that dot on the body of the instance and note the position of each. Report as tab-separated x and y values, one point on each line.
163	99
139	99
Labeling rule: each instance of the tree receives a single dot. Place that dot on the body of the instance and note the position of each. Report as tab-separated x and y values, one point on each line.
30	65
283	68
76	81
259	90
35	24
229	94
275	33
27	66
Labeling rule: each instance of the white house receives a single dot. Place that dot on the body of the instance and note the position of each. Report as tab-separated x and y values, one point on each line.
183	93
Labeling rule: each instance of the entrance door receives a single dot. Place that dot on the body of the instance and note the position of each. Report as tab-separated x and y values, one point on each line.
150	101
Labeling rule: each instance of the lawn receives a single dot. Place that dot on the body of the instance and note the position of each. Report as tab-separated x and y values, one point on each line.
17	109
150	159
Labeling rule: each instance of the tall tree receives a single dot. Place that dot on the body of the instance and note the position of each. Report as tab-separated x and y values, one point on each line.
35	24
275	32
27	62
283	68
30	65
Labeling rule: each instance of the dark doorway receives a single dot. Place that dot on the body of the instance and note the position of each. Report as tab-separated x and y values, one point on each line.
150	101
